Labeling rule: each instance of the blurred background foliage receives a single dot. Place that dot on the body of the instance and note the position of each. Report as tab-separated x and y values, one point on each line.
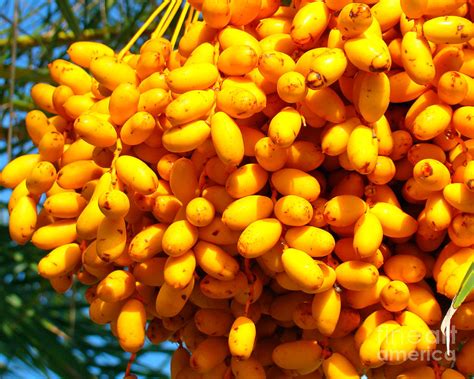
43	334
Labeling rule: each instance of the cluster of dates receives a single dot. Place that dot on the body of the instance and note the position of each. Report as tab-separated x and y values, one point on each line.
289	193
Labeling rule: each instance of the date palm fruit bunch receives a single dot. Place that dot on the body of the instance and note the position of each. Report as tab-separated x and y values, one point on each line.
288	193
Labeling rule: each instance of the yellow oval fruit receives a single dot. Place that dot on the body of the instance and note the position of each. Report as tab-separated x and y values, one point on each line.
200	212
95	130
371	95
135	173
362	149
23	219
298	355
312	240
150	272
242	338
110	72
131	326
90	218
417	59
290	181
123	103
452	87
403	88
18	169
55	234
462	121
271	260
65	204
242	212
237	60
293	210
154	101
213	321
326	69
117	286
179	237
114	204
51	146
304	155
101	312
368	235
448	29
60	261
246	180
270	156
217	232
344	210
208	354
424	304
230	36
259	237
369	351
431	174
395	296
368	54
438	212
251	367
338	366
41	178
326	308
76	174
284	127
291	87
37	125
399	344
186	137
178	271
71	75
384	172
138	128
459	197
220	289
431	122
395	222
216	14
335	137
227	139
309	23
304	62
371	322
302	269
111	238
170	301
462	319
190	106
42	95
147	243
326	104
414	8
215	261
83	52
197	76
354	19
61	284
406	268
356	275
197	33
237	102
418	372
